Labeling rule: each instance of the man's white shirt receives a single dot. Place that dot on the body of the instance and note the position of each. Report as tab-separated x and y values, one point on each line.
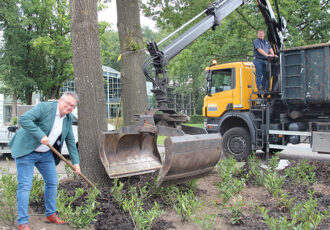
54	133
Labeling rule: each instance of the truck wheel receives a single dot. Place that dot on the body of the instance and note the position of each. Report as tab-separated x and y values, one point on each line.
236	142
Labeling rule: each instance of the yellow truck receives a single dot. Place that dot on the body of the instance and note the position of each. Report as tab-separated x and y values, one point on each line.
295	107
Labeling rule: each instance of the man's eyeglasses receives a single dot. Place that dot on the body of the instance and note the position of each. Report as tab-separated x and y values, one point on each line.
69	104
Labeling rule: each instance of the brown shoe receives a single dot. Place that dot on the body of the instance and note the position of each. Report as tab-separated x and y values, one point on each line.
54	219
24	227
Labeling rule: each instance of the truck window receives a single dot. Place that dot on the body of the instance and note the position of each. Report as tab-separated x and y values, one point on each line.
222	80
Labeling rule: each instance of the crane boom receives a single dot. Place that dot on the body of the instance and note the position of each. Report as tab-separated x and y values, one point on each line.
215	13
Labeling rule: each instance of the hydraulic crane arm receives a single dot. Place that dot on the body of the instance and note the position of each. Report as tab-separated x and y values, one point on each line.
214	14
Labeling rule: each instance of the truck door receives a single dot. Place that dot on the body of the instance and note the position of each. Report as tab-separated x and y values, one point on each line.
221	86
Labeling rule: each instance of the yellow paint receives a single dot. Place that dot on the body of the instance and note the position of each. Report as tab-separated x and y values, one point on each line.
237	97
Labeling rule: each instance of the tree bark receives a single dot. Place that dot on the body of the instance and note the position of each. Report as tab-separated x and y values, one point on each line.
89	85
133	81
14	106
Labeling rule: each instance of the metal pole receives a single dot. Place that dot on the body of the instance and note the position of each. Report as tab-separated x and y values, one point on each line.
108	95
267	130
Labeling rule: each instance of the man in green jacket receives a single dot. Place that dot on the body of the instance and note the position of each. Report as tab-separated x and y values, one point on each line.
46	123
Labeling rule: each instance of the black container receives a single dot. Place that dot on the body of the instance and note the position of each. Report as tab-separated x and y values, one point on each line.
306	75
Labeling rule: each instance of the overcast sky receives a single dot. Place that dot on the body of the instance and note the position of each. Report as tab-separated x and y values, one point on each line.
110	15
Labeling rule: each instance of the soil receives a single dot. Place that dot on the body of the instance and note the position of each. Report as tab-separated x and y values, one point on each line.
113	217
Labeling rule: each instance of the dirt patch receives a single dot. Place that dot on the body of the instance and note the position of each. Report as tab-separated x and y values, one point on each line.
113	217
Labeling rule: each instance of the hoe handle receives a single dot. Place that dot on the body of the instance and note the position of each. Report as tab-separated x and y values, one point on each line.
71	166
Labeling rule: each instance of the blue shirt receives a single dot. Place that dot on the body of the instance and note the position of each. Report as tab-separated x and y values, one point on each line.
264	45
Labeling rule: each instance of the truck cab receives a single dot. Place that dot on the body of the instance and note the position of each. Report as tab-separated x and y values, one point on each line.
230	88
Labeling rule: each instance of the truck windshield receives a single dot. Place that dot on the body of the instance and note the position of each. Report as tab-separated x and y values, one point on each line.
221	80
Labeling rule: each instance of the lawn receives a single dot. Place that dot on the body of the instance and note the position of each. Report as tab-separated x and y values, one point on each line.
161	139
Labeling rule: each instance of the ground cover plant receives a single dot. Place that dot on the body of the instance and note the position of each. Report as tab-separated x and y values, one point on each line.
8	185
234	196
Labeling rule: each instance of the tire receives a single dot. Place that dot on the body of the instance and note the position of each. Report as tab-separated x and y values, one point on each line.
236	142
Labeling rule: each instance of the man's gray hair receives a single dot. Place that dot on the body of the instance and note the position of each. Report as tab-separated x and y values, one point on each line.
70	93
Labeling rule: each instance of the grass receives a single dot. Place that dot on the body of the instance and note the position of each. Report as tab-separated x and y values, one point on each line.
161	139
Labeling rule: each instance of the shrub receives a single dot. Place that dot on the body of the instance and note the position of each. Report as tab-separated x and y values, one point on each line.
186	205
37	189
229	186
303	172
207	222
302	216
8	186
236	211
133	204
255	170
194	119
80	216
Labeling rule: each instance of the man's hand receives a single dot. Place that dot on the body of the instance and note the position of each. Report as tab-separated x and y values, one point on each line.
44	140
76	169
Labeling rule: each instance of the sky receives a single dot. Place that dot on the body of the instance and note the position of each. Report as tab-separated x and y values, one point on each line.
110	15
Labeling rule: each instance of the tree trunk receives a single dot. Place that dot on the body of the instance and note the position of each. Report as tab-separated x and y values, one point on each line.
89	86
14	106
133	81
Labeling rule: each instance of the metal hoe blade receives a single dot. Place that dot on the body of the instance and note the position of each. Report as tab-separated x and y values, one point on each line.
189	157
129	154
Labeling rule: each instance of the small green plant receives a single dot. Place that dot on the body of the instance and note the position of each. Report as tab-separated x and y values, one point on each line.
207	222
273	182
186	205
302	216
236	211
229	189
116	191
14	120
255	170
80	216
229	186
168	194
133	204
303	172
37	189
8	186
273	163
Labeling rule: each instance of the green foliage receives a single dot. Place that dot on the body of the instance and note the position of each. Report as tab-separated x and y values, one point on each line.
255	170
273	182
207	222
14	120
229	186
308	23
194	119
236	211
83	215
133	203
8	186
303	216
37	189
36	55
186	205
303	172
116	192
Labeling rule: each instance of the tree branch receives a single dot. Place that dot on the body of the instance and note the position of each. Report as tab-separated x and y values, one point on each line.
245	19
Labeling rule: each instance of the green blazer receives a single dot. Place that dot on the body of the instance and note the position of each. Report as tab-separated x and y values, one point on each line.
37	123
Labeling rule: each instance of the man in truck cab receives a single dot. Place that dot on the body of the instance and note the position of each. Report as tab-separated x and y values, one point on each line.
262	50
